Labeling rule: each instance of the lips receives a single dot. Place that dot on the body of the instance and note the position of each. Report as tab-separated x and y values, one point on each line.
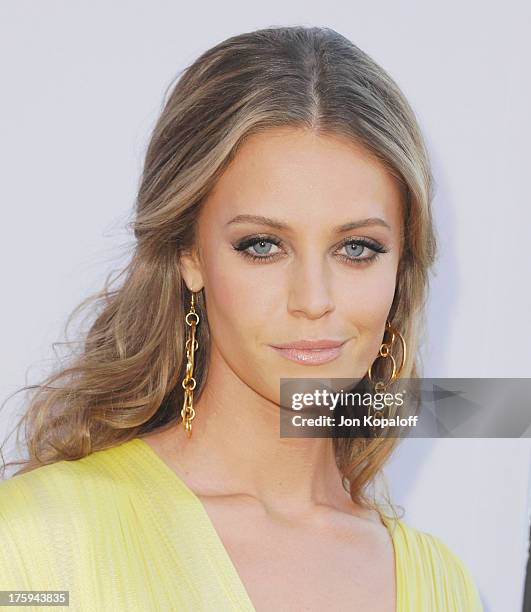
310	344
310	351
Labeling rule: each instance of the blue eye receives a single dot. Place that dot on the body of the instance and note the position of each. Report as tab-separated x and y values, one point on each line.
258	248
356	249
261	246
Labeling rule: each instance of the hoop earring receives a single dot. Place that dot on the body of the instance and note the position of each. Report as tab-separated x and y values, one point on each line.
379	386
188	383
385	352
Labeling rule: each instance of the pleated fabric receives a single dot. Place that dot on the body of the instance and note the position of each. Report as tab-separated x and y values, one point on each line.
121	531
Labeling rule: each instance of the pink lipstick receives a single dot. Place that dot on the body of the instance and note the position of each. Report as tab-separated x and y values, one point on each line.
311	352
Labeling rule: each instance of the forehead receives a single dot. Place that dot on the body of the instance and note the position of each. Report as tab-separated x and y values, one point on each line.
293	172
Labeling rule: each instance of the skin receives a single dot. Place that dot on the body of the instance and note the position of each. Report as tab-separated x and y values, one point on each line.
286	492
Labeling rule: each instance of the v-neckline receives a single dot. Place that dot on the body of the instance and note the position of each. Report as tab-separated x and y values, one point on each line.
218	547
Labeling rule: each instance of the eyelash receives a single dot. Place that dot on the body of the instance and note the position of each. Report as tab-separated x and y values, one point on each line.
250	241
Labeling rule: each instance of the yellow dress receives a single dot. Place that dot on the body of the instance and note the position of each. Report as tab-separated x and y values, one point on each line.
121	531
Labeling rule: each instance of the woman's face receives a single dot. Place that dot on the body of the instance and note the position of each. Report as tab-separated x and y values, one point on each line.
280	264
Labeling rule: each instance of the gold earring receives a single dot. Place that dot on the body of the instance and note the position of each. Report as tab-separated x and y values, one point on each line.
188	383
385	352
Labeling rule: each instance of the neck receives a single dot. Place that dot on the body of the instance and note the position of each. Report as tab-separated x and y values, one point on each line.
236	449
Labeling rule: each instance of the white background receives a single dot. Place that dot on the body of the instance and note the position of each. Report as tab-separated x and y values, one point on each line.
82	84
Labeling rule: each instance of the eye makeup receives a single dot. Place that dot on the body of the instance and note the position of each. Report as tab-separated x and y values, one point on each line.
244	245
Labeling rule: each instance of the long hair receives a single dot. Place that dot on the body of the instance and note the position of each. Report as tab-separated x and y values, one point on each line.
126	380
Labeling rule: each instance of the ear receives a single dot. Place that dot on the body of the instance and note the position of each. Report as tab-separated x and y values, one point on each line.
191	270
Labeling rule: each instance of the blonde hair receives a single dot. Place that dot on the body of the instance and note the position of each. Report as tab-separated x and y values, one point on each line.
127	379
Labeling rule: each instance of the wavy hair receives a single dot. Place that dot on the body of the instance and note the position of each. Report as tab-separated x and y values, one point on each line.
126	380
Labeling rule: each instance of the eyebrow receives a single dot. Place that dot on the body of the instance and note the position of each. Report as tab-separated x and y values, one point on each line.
275	223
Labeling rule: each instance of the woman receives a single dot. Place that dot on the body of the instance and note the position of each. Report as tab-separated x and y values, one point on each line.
283	229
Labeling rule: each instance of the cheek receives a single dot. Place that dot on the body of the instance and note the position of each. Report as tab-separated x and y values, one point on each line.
367	297
373	301
366	306
239	313
239	302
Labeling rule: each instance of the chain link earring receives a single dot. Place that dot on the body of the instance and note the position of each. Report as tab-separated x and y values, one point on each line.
188	383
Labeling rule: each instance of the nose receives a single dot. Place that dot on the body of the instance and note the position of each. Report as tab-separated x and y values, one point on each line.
309	291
